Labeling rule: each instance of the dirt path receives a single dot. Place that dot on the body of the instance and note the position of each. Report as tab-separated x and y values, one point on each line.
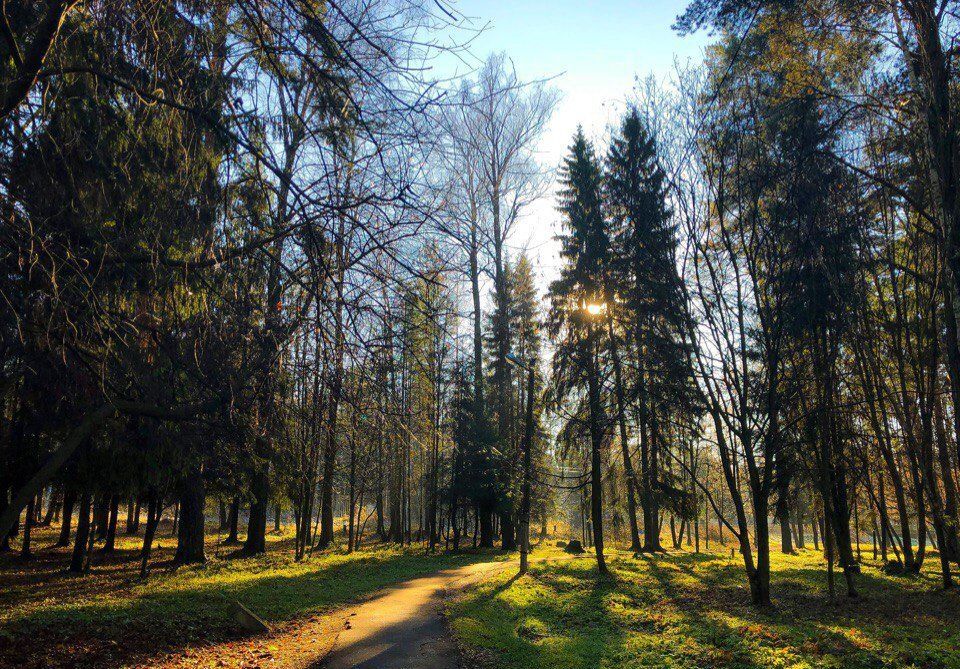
403	626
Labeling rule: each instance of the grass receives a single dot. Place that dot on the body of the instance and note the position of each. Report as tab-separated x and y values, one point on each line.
675	610
691	610
47	615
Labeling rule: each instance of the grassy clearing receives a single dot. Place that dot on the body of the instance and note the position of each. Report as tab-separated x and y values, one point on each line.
689	610
47	614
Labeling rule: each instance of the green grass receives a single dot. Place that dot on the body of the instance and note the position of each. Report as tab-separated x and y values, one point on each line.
274	586
687	610
41	605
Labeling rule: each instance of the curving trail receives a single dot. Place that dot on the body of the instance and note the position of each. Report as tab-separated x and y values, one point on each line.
403	627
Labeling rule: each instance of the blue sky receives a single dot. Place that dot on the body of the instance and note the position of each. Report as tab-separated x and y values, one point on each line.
596	50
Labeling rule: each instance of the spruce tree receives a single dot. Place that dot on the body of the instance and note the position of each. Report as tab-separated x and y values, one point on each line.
576	301
646	286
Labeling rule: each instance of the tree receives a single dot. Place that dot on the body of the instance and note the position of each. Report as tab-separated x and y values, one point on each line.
576	300
645	285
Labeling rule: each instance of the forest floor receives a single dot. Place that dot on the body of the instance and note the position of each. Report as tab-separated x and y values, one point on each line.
682	609
403	627
184	618
678	609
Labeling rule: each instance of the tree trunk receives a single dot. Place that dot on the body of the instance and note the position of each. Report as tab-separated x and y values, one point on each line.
508	533
329	466
233	522
153	520
66	516
783	516
111	536
256	541
596	444
190	532
486	526
102	516
133	510
624	442
53	507
28	524
815	526
78	558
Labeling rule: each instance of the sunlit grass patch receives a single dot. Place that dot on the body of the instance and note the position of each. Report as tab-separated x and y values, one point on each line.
682	610
44	609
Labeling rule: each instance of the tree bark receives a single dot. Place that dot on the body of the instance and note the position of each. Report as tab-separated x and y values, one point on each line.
28	524
624	441
256	541
190	532
154	509
133	511
111	537
66	516
78	558
597	421
233	522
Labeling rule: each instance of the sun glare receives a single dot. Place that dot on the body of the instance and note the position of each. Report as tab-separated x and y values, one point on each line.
596	308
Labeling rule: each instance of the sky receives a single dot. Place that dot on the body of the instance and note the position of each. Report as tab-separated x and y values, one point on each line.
594	51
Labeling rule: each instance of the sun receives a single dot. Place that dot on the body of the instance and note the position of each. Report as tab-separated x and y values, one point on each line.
596	308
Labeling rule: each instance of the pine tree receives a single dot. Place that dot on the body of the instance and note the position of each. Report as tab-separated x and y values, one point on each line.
576	300
645	285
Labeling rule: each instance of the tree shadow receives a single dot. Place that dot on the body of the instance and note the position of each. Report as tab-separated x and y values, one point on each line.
572	625
134	622
687	609
853	632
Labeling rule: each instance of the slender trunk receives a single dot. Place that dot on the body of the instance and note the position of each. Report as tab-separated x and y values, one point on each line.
53	507
102	516
233	522
815	526
950	502
78	558
66	516
527	475
111	538
153	520
597	420
624	442
485	511
28	524
329	464
133	511
783	514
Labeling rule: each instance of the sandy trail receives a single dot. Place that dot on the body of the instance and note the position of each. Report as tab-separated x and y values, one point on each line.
403	626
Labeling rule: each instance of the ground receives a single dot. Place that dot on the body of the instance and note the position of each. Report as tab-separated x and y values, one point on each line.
380	606
684	609
404	627
49	618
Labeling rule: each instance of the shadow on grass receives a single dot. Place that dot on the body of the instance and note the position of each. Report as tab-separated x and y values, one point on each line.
193	605
873	630
554	620
689	610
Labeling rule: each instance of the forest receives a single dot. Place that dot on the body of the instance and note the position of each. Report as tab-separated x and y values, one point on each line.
279	363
